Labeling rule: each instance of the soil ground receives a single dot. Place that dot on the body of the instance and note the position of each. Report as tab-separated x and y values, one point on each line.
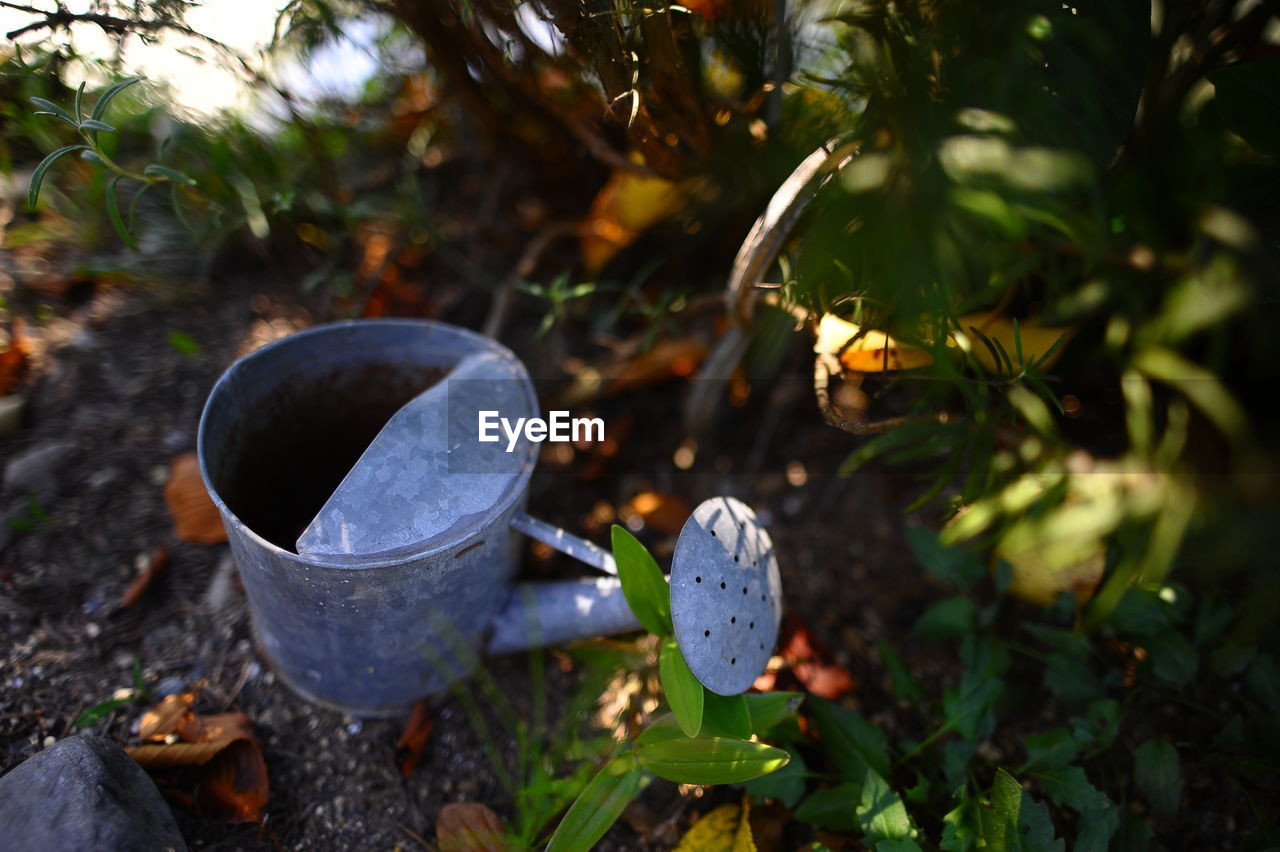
109	382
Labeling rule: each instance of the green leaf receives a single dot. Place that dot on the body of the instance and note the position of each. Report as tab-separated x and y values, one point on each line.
1069	677
642	583
1096	829
1173	659
684	692
661	729
99	126
79	100
1246	99
727	716
37	177
1050	750
91	156
770	708
50	108
1263	680
105	99
1156	773
904	844
1097	729
184	343
947	619
960	826
904	685
835	808
710	760
175	200
598	806
881	812
786	785
113	213
969	707
155	170
944	563
1069	787
98	712
1019	823
853	743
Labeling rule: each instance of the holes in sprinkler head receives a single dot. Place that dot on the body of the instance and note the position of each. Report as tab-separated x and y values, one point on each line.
713	533
697	579
733	620
735	557
744	590
722	584
762	599
733	661
751	626
706	633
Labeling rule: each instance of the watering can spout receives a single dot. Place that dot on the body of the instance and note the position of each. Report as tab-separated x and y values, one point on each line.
536	615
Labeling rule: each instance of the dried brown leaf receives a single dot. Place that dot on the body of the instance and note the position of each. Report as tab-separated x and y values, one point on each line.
416	732
152	571
153	757
223	726
810	661
195	517
665	513
234	786
470	827
163	719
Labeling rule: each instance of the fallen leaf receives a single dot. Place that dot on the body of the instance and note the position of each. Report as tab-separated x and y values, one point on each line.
626	206
223	726
666	359
725	829
162	720
151	571
870	351
1036	339
13	357
414	738
151	757
665	513
810	661
470	827
194	515
235	786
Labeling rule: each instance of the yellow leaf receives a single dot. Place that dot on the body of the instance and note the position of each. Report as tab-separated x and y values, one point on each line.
725	829
1036	339
626	206
872	352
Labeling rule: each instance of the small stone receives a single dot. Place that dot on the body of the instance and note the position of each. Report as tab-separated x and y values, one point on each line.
84	793
34	469
11	410
170	686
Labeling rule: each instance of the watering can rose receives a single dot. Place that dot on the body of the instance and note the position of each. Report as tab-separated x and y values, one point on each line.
559	427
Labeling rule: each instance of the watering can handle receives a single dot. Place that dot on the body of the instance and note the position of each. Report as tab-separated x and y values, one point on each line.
570	545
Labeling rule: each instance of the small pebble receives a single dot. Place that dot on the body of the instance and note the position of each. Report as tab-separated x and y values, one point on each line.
170	686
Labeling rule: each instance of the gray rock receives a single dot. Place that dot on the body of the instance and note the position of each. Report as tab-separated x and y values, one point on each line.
84	793
11	409
35	468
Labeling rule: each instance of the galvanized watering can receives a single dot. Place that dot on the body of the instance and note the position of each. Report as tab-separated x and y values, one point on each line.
376	533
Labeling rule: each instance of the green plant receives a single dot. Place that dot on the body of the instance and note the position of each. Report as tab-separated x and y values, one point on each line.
705	739
135	695
91	149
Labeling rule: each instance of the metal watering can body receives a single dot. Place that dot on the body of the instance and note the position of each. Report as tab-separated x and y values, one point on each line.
377	541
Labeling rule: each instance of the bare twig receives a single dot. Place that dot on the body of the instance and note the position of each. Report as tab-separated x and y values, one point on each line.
523	269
